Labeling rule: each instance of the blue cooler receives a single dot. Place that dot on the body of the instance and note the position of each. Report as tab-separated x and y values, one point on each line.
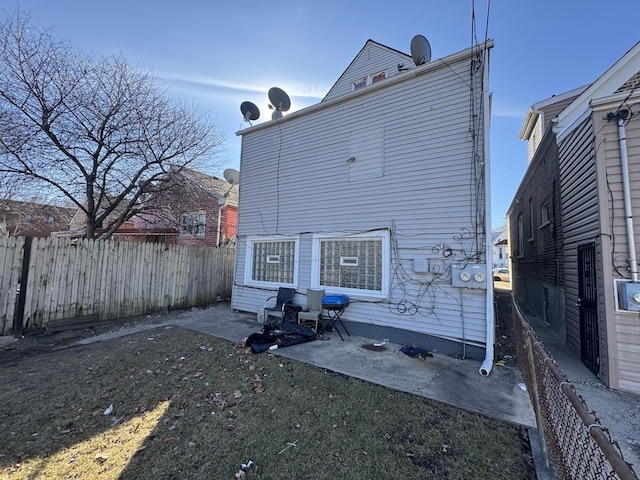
335	302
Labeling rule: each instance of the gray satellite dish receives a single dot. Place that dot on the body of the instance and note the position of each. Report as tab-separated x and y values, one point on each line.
232	176
280	102
420	50
249	111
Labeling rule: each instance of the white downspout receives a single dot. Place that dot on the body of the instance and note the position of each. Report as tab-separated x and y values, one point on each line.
219	234
487	364
628	214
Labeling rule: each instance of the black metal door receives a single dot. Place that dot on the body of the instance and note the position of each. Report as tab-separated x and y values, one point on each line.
588	307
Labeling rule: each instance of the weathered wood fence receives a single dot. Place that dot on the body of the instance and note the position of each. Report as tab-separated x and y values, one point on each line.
104	279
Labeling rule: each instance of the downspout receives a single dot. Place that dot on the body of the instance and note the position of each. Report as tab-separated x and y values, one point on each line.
487	364
628	214
219	234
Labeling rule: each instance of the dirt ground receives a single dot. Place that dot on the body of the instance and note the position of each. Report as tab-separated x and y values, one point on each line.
173	403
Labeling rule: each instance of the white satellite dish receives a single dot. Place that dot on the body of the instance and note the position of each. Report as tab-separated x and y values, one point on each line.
232	176
420	50
280	102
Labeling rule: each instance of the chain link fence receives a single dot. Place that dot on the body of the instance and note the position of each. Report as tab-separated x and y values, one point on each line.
574	440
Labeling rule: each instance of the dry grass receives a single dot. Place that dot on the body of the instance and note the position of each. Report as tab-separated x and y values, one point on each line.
187	405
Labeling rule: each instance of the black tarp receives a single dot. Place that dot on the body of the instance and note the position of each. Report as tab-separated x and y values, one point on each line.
280	334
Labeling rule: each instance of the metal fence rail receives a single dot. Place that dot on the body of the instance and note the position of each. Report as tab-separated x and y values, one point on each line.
580	446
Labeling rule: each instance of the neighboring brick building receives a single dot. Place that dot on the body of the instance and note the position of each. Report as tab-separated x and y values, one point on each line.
198	209
32	219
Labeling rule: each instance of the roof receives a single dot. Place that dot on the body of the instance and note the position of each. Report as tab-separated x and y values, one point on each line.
367	44
537	109
427	68
218	187
618	82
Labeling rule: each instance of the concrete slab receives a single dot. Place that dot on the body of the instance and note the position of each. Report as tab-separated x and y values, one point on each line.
441	378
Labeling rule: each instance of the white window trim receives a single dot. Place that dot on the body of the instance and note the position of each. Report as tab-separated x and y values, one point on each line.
352	292
248	263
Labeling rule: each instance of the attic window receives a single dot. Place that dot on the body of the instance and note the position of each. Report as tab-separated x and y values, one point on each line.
360	83
378	76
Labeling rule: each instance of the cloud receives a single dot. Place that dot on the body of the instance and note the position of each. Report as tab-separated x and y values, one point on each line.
200	82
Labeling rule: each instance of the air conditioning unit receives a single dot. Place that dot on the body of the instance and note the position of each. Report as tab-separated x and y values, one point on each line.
629	296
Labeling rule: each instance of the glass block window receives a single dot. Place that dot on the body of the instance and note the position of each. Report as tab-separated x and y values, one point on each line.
273	261
352	263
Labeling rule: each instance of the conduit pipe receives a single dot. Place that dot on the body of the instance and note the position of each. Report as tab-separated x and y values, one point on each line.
628	214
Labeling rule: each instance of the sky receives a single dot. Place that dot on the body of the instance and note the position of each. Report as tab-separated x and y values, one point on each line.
218	54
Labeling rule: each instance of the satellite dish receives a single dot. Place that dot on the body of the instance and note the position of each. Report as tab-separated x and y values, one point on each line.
280	102
232	176
420	50
249	111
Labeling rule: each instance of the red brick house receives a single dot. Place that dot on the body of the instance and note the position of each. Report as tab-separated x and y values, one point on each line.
32	219
198	209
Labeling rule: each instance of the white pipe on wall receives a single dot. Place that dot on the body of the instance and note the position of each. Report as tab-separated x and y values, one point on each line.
628	213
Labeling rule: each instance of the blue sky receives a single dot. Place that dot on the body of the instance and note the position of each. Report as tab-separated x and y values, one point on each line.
219	54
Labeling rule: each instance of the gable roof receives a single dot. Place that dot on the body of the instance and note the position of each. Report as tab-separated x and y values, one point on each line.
542	108
372	58
217	187
619	81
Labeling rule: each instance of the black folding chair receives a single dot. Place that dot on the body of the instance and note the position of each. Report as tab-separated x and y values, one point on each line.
284	308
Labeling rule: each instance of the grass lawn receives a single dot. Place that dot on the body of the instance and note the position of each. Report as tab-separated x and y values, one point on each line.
190	406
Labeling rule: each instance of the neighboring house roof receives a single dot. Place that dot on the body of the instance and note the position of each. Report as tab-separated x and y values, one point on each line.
218	187
614	86
538	110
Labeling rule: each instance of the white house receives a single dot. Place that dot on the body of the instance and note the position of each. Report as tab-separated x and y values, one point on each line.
380	192
500	249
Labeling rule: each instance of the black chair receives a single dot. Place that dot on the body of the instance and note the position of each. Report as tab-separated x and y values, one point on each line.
284	308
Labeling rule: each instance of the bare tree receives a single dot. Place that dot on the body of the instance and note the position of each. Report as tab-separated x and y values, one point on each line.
96	131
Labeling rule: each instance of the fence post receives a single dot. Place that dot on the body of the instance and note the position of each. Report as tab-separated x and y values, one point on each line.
18	319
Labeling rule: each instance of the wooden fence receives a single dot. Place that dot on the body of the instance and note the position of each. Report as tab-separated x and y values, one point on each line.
101	280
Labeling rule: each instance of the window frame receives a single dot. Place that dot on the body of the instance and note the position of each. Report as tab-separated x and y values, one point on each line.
248	260
520	236
194	229
545	217
316	250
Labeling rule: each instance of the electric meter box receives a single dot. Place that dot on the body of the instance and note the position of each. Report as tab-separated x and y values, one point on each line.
472	275
629	296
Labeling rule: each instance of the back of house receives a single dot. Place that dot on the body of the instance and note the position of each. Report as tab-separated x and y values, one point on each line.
380	193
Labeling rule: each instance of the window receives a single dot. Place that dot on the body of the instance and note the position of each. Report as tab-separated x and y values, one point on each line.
530	219
270	261
360	83
193	224
352	264
28	219
378	76
544	215
369	80
520	237
50	220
